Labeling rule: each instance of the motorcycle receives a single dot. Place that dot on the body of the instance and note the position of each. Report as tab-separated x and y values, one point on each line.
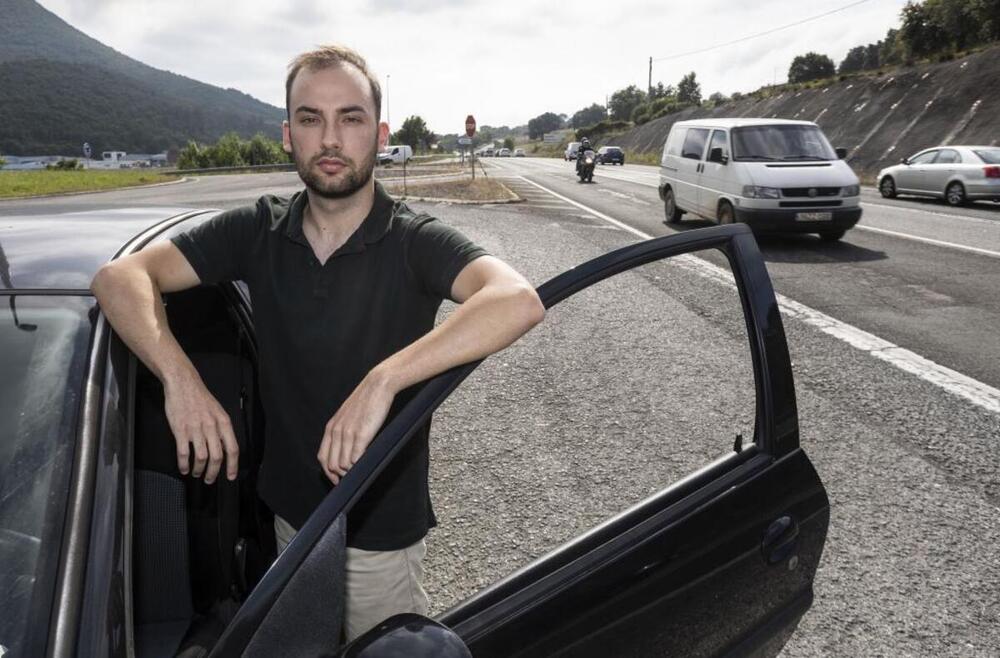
585	163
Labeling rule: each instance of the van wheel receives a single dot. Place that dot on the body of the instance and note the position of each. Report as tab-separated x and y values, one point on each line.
831	236
887	188
955	194
725	213
672	214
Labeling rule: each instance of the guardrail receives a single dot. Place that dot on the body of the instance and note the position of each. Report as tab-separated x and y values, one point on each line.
289	166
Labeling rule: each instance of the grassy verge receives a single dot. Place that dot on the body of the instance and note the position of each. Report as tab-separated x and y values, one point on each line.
481	189
634	157
34	183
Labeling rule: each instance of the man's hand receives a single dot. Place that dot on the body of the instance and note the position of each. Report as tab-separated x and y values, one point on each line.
200	425
353	427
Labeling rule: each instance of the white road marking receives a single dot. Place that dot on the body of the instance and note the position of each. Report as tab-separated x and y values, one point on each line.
966	218
952	381
939	243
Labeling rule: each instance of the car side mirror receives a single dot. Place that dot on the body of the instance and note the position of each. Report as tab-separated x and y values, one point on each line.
717	155
905	161
841	152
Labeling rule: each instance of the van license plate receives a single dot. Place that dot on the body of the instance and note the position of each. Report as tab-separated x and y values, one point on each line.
813	216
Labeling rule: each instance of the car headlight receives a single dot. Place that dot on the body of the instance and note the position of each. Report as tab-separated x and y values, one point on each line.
758	192
851	190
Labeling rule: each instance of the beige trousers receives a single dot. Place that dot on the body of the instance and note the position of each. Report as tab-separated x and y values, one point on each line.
380	584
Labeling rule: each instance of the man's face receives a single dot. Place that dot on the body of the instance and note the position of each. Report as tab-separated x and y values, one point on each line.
332	134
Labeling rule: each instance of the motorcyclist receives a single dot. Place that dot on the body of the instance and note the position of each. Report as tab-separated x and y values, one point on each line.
584	147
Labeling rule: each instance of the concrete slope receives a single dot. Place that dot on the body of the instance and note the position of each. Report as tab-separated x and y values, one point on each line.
879	118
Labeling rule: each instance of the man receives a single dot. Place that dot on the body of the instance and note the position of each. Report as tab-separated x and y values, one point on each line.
346	285
584	147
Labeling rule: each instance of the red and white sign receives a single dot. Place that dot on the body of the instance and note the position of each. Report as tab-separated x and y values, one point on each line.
470	125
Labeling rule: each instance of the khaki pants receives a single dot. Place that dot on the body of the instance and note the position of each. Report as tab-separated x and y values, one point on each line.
380	584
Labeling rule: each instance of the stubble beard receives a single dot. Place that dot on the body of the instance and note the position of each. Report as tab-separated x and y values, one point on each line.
355	176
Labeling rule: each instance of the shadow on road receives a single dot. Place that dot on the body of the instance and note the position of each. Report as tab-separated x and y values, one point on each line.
799	247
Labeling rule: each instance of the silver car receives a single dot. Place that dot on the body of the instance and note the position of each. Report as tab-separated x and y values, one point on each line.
957	174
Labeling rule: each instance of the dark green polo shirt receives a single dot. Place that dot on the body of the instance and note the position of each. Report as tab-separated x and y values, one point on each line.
321	329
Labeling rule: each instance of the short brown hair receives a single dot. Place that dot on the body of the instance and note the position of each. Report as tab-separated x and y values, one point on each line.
327	57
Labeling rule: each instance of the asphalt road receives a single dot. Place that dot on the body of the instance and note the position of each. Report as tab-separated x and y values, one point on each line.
642	379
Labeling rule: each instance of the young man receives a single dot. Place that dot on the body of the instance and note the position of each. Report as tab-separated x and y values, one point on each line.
346	285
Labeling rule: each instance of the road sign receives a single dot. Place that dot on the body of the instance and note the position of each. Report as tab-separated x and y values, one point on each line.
470	125
464	141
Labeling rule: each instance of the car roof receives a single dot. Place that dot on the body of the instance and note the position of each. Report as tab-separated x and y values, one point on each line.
64	251
740	122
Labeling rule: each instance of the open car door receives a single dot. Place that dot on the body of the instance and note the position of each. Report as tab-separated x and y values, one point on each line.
719	563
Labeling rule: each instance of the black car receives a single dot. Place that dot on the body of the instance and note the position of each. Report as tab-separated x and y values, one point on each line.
104	547
610	155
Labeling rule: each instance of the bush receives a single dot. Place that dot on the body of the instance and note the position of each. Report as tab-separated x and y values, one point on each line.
65	165
602	128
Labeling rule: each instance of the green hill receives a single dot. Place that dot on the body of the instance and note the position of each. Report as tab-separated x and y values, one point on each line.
61	88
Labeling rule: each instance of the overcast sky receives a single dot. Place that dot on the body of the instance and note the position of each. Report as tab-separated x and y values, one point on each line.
505	61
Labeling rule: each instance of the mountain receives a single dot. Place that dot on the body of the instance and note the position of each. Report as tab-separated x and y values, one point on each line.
60	88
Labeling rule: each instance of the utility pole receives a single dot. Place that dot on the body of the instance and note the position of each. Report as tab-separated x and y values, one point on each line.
649	90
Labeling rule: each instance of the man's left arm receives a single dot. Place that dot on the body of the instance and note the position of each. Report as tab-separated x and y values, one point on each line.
496	307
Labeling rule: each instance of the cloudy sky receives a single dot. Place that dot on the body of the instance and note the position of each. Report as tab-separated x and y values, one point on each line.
505	61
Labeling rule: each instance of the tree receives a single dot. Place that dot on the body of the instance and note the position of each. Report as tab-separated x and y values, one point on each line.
718	98
957	20
544	123
811	66
688	90
890	49
660	91
854	60
624	101
588	116
414	133
508	143
920	34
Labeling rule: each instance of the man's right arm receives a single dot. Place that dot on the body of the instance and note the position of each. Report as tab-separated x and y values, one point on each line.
129	291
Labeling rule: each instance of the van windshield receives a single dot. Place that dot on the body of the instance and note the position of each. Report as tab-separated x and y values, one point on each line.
781	142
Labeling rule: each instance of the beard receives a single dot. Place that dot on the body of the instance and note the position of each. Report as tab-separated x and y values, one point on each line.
354	176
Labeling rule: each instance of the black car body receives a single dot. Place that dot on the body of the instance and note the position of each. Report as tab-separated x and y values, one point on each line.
610	155
106	551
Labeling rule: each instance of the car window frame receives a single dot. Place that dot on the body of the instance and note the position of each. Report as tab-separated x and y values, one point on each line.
933	152
776	429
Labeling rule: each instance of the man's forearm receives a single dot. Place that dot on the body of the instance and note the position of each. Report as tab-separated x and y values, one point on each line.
488	321
131	301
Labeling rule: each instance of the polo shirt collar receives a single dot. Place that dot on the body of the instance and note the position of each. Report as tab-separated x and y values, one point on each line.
372	229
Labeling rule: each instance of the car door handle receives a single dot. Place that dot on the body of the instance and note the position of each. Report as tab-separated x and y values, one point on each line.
780	540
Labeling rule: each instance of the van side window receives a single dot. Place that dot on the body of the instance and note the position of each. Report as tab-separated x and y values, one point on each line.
694	143
675	140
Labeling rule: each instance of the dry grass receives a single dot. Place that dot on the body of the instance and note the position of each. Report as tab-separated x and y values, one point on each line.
481	189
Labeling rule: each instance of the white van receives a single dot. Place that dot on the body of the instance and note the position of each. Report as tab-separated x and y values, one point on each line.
397	154
773	174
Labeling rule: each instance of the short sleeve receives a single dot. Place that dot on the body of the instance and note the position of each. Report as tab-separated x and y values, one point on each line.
436	254
218	249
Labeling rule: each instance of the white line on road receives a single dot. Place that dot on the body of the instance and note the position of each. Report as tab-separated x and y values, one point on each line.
939	243
954	382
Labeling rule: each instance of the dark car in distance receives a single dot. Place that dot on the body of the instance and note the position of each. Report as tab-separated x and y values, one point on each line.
610	155
105	551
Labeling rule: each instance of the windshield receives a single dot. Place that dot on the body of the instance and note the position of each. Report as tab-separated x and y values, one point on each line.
781	142
989	156
43	349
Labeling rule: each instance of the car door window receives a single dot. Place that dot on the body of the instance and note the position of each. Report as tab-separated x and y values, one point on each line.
694	143
948	156
719	140
674	141
924	158
571	439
